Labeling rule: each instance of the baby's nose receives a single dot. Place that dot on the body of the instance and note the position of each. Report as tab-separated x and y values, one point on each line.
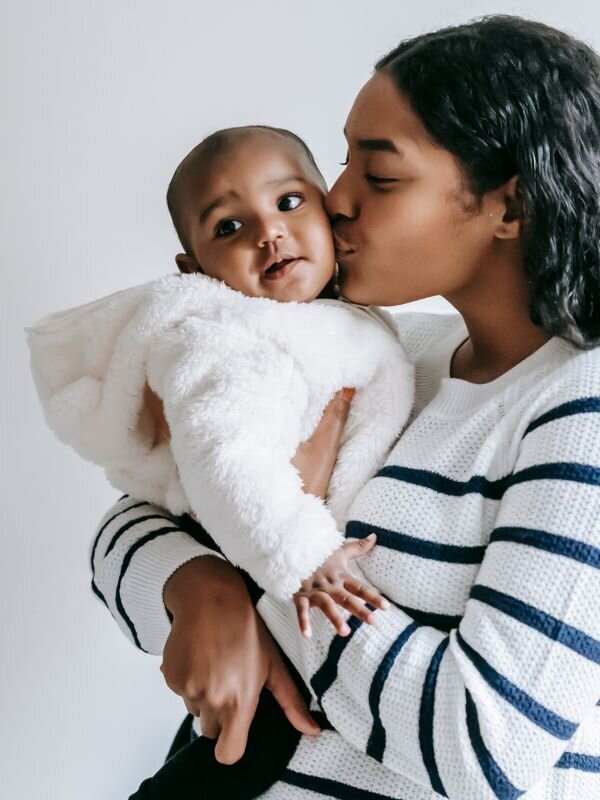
271	230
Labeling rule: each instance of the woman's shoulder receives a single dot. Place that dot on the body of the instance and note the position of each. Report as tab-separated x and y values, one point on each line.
418	329
574	373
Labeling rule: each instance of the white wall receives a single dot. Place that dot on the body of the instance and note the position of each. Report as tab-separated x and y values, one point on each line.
99	101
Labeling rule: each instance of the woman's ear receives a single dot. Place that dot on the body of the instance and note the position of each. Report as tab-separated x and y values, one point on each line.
512	209
187	264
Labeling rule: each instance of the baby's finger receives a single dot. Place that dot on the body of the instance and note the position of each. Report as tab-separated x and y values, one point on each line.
367	593
303	612
360	547
354	606
330	609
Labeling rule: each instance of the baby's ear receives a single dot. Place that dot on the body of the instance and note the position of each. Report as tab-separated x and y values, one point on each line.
187	264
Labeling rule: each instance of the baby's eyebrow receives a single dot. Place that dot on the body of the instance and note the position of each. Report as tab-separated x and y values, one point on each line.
286	179
218	201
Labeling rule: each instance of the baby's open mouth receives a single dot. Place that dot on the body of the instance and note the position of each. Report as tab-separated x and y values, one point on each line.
280	268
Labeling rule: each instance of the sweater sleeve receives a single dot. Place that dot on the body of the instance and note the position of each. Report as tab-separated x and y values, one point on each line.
487	709
136	549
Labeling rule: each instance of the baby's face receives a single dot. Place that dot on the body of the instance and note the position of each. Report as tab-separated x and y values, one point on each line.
256	221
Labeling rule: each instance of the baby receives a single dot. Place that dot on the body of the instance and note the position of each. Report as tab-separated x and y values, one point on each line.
195	391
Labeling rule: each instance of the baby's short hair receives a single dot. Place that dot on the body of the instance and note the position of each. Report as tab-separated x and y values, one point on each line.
202	155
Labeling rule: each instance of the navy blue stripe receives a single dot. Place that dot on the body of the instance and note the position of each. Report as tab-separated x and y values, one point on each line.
403	542
524	703
98	593
107	523
556	629
131	524
376	743
581	761
126	561
443	622
493	490
95	588
497	779
426	713
477	484
320	718
551	542
584	405
325	676
562	471
330	788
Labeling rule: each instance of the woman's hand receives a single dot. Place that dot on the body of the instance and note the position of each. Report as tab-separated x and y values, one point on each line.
332	585
316	457
219	655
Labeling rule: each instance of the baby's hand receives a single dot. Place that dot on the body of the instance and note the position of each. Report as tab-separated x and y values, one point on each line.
331	585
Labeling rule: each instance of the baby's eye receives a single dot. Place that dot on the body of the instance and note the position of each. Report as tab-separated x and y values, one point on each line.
289	202
227	226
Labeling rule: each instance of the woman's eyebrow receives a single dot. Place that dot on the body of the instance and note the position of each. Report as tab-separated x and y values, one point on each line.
378	146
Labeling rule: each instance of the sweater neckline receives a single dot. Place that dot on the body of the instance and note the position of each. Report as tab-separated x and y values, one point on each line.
456	395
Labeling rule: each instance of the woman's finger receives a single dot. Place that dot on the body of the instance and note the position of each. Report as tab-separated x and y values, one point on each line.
367	593
283	688
233	738
209	725
303	614
330	608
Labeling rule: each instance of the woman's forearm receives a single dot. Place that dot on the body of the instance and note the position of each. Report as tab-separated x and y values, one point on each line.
206	578
136	549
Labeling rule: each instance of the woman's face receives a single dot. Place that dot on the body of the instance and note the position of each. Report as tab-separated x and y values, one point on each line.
400	210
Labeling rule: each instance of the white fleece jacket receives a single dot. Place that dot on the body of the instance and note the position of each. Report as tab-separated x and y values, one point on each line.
243	382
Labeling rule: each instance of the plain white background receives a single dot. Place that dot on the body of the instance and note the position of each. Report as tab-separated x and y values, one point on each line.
99	102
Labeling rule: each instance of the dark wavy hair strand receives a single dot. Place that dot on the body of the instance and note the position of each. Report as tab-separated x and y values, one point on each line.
508	96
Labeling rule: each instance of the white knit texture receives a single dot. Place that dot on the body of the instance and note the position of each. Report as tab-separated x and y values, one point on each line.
482	681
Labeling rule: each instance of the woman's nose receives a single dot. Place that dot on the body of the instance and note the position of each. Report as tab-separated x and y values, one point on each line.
339	202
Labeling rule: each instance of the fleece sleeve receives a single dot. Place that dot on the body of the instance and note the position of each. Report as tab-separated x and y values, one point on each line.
235	415
487	709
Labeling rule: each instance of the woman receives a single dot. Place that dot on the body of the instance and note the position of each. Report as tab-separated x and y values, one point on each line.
472	172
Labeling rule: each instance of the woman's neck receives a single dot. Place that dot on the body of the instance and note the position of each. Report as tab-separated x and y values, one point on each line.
501	333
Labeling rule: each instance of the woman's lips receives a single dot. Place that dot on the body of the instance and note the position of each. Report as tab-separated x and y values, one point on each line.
281	269
342	250
342	255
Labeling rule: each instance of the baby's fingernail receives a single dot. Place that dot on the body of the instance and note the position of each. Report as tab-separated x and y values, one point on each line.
385	603
371	536
307	633
348	394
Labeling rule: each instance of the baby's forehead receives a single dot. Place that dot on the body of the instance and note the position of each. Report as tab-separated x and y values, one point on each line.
261	157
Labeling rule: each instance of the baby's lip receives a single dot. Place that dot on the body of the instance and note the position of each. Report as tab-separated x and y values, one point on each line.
280	261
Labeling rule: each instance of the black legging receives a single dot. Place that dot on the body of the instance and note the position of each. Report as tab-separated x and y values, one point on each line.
191	769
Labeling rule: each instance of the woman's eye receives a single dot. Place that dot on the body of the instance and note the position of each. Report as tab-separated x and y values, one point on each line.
289	202
378	179
227	226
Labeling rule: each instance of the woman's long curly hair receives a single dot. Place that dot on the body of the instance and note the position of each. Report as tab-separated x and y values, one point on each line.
508	96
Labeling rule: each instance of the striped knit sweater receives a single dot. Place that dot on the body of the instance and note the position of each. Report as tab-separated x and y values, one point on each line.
483	679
